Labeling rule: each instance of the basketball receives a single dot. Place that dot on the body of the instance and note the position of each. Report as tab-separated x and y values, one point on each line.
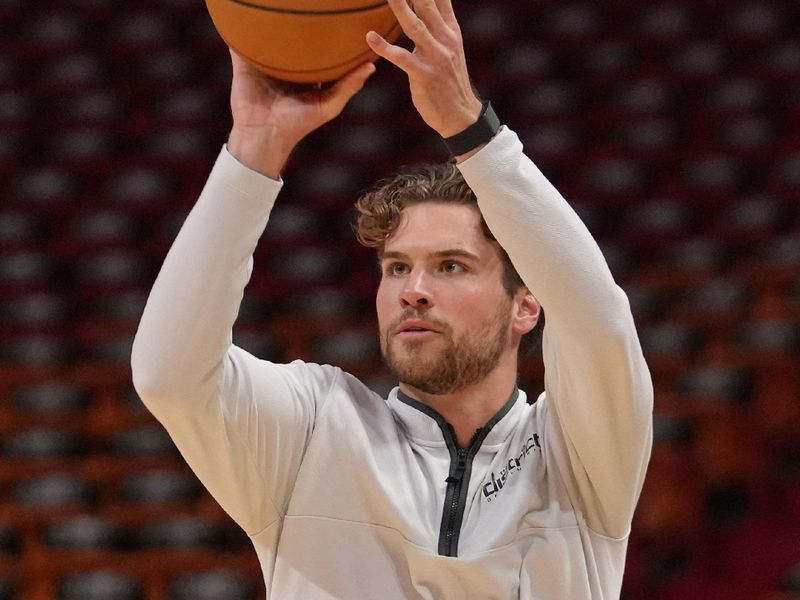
302	41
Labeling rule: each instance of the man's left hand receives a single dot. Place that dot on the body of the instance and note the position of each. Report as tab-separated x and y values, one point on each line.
437	70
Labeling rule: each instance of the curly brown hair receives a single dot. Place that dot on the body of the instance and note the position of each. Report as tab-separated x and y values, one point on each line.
378	215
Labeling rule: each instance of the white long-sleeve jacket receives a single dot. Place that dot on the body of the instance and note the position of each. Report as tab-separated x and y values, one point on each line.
349	495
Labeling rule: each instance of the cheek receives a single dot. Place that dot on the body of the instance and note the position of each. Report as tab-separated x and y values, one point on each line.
383	304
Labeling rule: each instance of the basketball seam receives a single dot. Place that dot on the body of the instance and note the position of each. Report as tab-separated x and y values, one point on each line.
293	11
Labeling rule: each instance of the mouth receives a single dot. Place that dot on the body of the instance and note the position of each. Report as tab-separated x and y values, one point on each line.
416	329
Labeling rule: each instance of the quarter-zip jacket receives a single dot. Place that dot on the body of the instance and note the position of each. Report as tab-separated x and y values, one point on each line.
348	495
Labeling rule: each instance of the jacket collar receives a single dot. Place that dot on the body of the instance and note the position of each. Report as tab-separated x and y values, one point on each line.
424	425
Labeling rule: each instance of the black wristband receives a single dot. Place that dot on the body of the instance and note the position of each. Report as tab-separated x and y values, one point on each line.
480	132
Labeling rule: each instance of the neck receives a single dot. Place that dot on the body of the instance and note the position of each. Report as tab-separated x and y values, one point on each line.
470	408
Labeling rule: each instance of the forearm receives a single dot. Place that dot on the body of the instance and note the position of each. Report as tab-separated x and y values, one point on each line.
185	330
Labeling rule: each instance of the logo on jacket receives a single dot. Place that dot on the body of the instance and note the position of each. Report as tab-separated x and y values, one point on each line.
513	466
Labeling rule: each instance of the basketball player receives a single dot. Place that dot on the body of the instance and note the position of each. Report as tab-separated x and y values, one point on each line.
455	486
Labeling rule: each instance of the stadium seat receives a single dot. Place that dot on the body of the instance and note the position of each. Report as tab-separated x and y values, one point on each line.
26	268
665	339
53	491
18	228
144	440
158	487
93	106
181	532
655	223
346	347
45	187
15	107
740	95
41	350
86	532
74	70
211	585
55	29
772	336
50	397
325	302
315	265
139	185
100	585
114	350
718	301
781	60
102	226
654	137
552	143
607	60
572	22
35	309
41	443
755	22
116	305
716	382
665	22
112	267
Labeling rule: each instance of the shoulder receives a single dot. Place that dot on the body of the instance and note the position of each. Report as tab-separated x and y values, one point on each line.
330	380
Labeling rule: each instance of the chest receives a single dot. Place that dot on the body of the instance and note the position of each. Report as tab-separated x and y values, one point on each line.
449	502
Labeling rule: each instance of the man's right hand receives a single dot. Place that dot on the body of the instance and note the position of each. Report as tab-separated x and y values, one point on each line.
269	120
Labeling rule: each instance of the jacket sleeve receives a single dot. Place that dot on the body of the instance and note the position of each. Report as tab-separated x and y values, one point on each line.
598	391
242	424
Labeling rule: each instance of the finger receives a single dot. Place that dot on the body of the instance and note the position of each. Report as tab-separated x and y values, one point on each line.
399	57
429	12
412	25
446	11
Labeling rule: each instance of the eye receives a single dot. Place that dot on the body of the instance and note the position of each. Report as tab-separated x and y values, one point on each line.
452	267
395	269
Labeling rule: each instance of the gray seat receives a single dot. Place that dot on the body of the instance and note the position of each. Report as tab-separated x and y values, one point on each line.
100	585
85	532
155	487
146	440
716	382
53	491
182	532
211	585
43	443
37	350
51	397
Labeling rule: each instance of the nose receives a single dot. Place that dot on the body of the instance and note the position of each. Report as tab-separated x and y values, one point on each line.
415	292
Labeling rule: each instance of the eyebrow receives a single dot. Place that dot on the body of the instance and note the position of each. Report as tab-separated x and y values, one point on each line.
439	254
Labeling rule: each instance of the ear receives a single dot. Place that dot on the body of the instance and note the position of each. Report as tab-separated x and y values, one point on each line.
526	313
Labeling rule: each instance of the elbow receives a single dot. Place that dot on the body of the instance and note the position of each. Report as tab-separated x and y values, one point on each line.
151	375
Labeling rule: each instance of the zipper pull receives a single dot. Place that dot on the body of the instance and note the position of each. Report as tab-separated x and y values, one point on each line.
461	466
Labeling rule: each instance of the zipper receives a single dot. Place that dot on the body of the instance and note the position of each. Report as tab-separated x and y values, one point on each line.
448	540
455	498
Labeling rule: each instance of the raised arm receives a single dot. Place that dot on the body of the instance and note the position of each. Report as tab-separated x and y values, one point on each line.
599	393
229	413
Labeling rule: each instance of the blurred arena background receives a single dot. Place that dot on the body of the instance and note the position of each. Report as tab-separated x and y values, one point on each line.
674	130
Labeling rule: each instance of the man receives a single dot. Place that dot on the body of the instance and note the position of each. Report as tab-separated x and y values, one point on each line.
455	486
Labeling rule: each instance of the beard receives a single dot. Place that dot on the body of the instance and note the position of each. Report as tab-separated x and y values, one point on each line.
465	360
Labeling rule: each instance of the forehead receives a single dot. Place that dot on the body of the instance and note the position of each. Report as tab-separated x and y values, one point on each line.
436	226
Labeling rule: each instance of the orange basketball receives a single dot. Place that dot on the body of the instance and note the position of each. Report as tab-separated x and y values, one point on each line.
304	41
